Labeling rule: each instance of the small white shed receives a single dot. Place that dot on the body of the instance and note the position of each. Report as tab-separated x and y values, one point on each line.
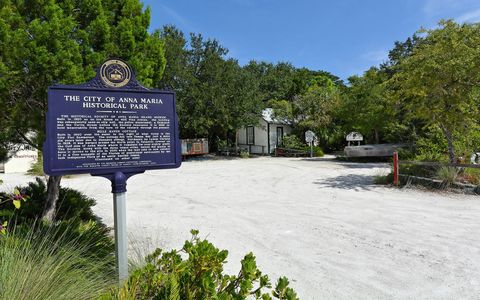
264	137
22	157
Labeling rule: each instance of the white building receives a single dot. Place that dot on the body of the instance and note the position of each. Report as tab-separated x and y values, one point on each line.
22	157
264	137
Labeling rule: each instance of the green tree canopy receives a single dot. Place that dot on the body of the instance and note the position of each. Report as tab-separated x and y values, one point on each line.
215	96
43	43
365	106
440	80
63	42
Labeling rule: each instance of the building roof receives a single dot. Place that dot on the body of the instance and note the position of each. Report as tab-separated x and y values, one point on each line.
267	115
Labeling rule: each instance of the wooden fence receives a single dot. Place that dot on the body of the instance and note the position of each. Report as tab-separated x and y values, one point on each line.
397	163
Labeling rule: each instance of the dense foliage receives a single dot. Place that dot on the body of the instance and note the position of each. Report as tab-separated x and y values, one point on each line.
73	205
429	85
196	272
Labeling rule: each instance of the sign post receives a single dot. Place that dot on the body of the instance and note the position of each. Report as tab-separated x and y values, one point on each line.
309	137
112	127
395	168
121	245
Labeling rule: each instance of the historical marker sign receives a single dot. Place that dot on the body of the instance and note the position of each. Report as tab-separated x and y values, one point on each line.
113	127
110	124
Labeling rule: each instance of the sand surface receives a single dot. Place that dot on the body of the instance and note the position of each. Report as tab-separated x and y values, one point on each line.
321	223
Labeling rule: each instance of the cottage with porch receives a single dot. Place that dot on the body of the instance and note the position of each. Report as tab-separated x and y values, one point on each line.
264	137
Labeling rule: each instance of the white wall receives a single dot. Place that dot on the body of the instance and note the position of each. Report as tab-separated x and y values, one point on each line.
21	161
261	140
287	129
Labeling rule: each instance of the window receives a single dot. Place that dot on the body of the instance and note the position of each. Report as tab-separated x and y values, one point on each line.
279	136
250	135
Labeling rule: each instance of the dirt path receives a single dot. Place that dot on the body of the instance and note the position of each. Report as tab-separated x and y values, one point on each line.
321	223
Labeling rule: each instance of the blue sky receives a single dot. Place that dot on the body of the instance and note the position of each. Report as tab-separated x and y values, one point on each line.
344	37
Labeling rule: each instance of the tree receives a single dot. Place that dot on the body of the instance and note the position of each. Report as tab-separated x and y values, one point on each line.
314	109
215	96
440	80
365	106
63	42
275	81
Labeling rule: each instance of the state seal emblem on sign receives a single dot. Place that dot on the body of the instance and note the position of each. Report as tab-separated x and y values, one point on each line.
115	73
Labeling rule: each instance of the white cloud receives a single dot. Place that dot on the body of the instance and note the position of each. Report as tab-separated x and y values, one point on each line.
469	17
177	17
376	57
436	7
461	10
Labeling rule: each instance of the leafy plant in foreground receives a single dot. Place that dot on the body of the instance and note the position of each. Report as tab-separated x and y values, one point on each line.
196	272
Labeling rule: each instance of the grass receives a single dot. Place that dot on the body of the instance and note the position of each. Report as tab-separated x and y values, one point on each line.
471	176
448	175
244	154
37	167
384	179
41	265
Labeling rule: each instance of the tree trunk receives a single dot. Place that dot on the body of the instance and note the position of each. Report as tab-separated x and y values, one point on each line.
451	150
53	191
377	137
236	140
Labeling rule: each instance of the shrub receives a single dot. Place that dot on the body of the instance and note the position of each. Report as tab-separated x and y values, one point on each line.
71	204
432	146
471	176
198	274
292	142
448	175
416	170
384	179
244	154
49	264
37	167
317	151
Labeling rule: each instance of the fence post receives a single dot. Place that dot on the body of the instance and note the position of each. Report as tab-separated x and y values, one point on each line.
395	168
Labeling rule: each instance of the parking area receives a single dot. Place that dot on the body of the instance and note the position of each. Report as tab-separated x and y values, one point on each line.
320	222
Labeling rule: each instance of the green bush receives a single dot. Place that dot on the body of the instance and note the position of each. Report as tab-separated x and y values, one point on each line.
37	167
416	170
448	175
292	142
471	176
71	204
244	154
317	151
432	146
384	179
196	272
50	264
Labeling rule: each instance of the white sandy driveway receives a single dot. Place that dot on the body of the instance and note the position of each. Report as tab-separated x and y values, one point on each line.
321	223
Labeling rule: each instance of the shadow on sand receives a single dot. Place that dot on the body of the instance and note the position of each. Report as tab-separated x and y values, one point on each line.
348	182
350	165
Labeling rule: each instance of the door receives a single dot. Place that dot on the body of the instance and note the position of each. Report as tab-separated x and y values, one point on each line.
279	136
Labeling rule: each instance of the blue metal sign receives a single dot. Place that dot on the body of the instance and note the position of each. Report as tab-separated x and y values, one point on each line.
111	126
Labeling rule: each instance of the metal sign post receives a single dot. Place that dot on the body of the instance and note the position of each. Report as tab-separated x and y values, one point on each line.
309	137
119	184
120	219
112	127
